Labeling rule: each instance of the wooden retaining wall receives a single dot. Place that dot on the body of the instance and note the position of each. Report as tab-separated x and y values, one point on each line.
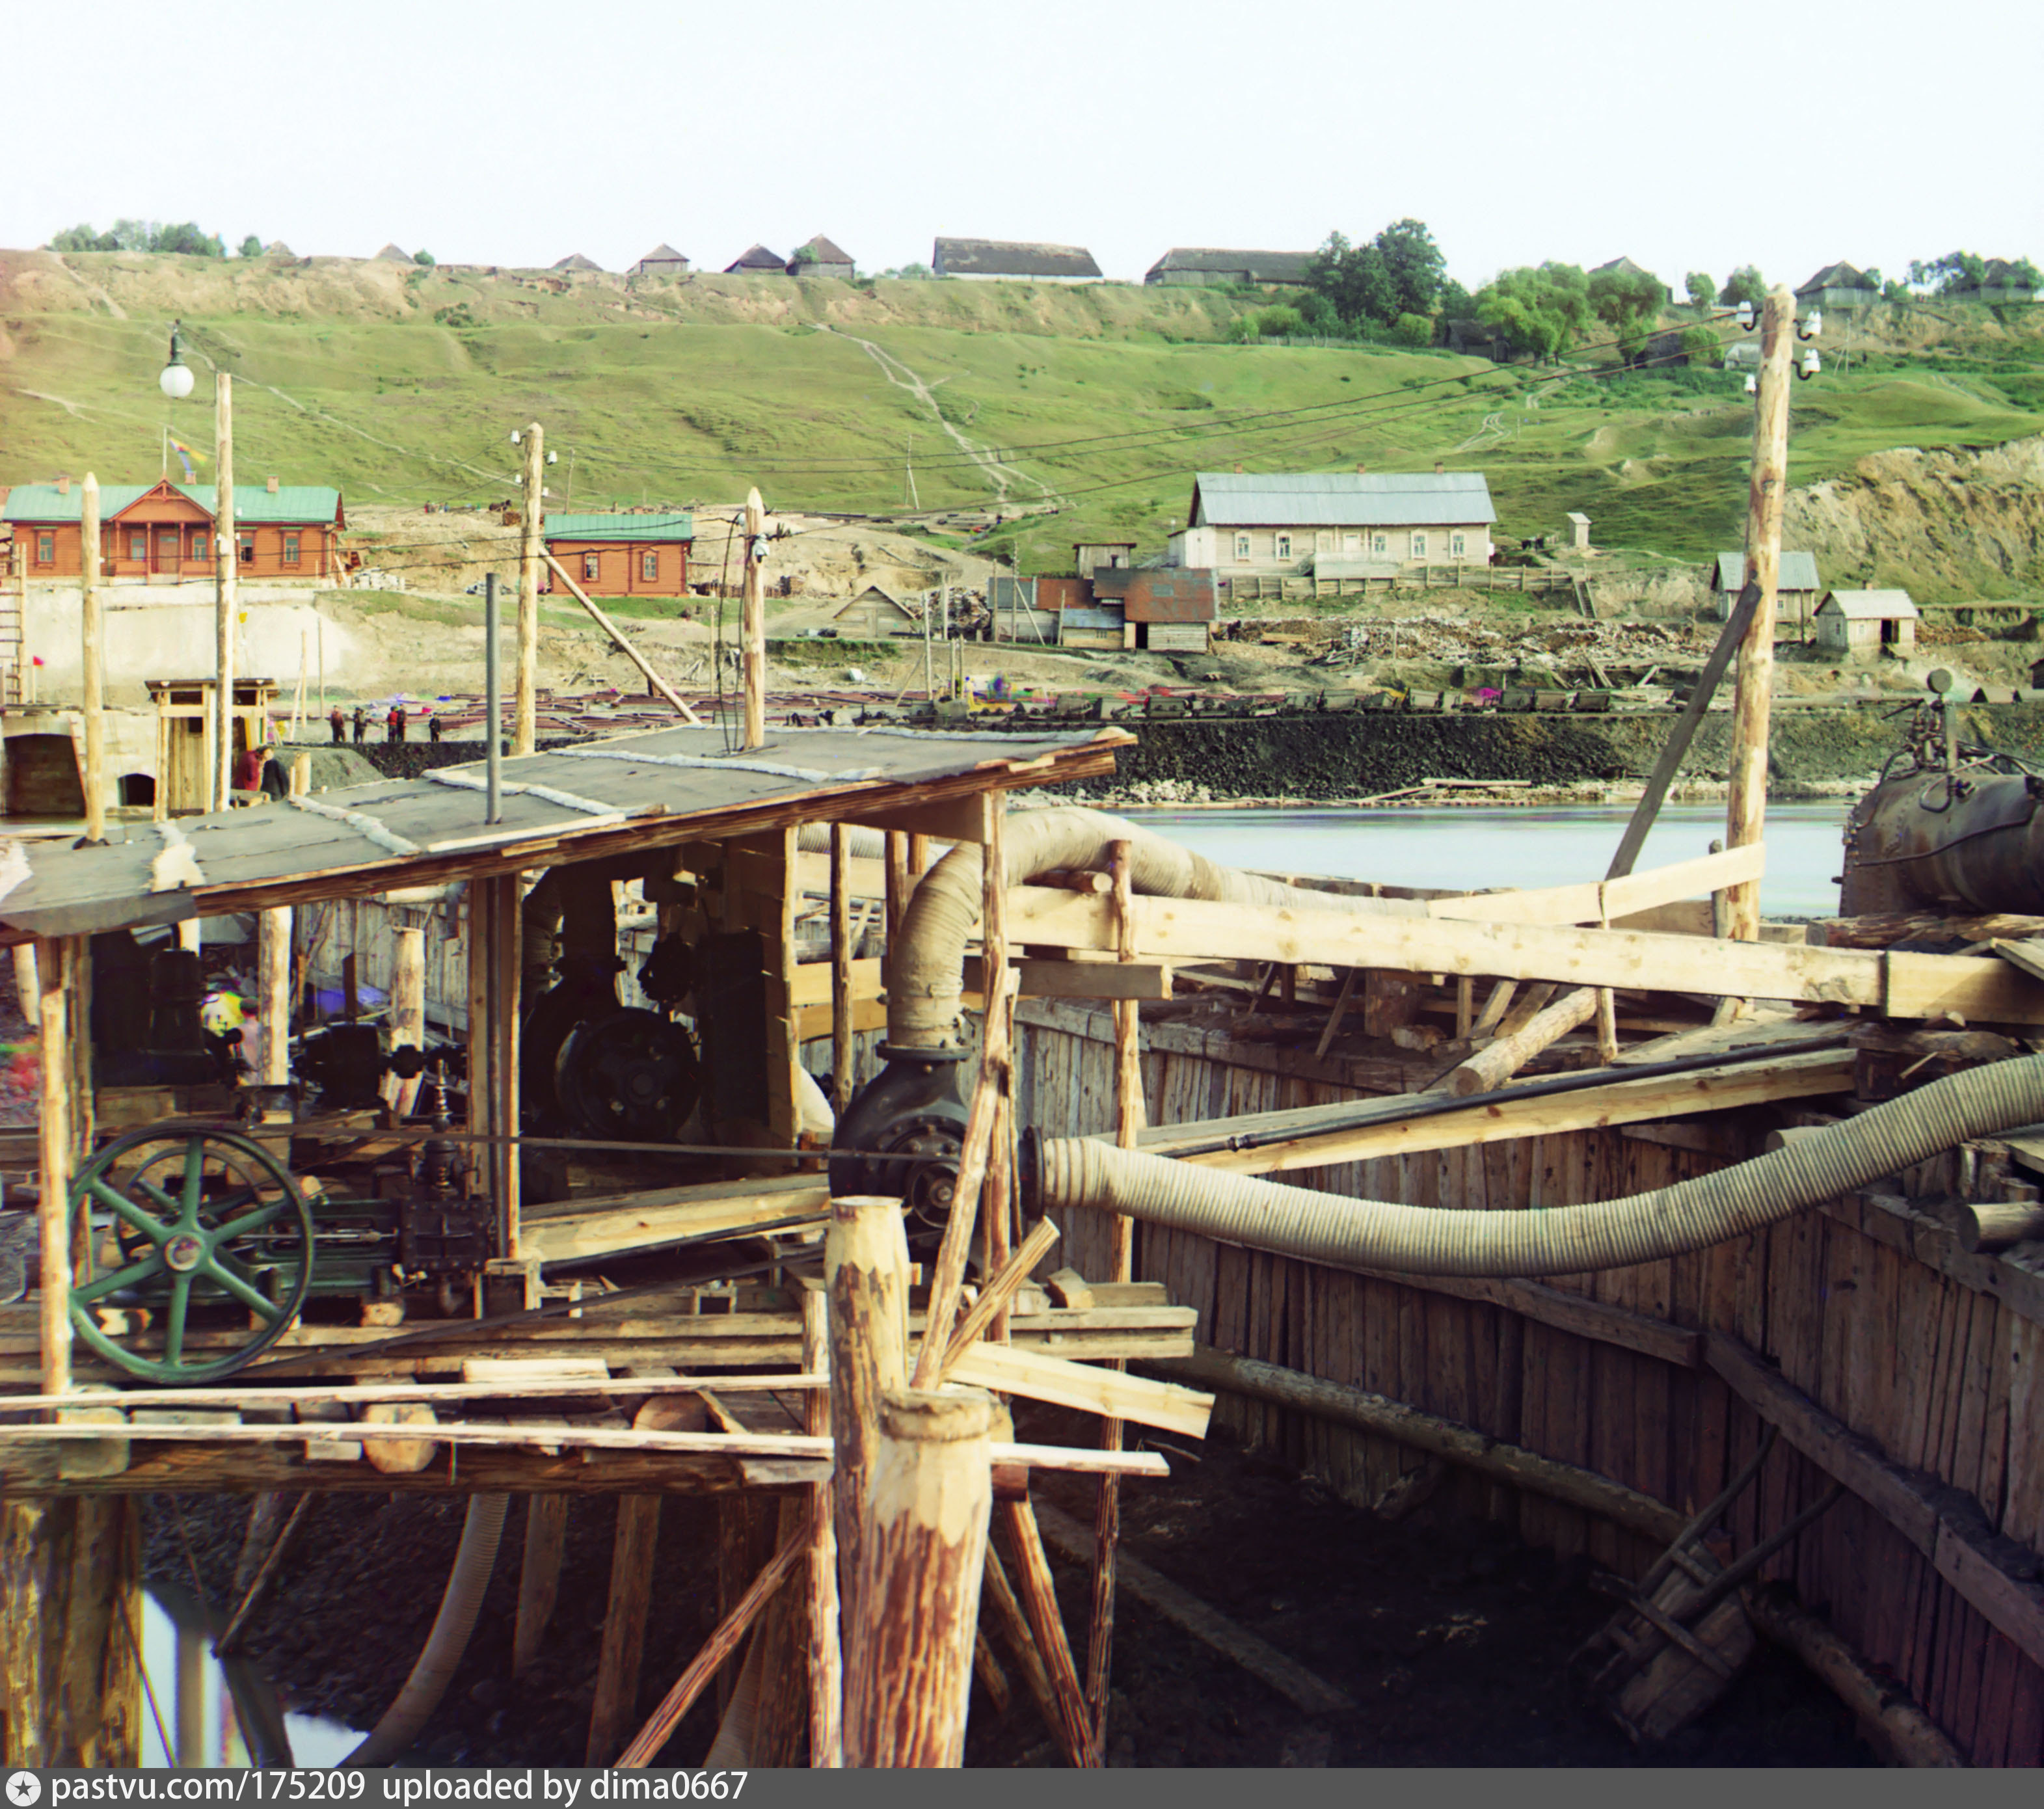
1931	1356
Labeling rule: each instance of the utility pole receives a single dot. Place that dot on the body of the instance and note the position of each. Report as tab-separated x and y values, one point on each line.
755	620
226	551
493	706
524	733
908	472
1745	811
929	604
92	629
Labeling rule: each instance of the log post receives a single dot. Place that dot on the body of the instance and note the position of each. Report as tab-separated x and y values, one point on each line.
982	1117
866	1268
899	889
754	619
826	1659
1745	807
28	990
532	523
302	774
273	963
71	1632
538	1575
909	1639
623	1626
407	1011
842	1028
1497	1063
482	1170
226	565
998	1599
188	1713
92	634
1039	1601
55	957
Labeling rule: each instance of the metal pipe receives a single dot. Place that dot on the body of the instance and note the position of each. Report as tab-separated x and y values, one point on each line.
492	692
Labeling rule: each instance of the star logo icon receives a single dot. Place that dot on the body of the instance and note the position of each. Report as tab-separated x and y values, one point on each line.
24	1788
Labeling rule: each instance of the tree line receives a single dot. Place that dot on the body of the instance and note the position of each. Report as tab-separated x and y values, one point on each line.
185	238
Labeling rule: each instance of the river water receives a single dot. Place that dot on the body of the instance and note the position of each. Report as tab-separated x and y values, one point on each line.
1472	848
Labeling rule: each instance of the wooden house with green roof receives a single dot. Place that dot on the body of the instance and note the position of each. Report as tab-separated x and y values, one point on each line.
624	555
164	533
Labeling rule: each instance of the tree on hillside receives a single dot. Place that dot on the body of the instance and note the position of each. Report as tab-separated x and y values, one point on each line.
1543	312
1628	302
251	247
423	257
1701	348
82	238
1353	279
1457	303
1414	263
1745	284
1703	292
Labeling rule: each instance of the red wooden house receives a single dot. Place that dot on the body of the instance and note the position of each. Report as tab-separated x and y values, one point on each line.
159	533
624	555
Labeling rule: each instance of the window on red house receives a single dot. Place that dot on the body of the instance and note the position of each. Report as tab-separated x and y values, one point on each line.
46	549
591	567
290	549
201	546
138	545
649	567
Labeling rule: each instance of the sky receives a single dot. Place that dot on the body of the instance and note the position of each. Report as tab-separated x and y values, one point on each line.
1687	138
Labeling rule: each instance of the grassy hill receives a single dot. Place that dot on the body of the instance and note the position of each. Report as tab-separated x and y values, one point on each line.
402	385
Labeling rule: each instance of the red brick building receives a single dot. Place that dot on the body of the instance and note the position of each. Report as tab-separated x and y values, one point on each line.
162	532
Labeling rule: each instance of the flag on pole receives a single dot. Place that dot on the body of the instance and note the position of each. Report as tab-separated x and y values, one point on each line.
185	456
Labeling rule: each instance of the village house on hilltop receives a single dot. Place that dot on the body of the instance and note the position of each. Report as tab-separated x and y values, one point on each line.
757	261
1838	286
820	257
1190	266
1332	524
663	260
994	258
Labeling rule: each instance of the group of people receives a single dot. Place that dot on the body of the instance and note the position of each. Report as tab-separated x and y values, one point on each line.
395	721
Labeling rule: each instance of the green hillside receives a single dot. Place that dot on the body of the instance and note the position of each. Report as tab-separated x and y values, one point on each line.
402	385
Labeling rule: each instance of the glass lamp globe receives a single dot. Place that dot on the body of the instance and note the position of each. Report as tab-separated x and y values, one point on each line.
176	382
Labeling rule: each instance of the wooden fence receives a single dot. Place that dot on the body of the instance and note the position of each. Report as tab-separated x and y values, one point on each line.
1909	1368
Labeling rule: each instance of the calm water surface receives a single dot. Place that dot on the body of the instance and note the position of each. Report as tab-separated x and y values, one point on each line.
1479	847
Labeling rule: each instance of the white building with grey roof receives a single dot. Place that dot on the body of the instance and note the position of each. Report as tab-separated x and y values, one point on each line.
1332	524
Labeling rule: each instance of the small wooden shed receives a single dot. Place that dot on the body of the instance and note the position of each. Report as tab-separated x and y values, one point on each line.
185	719
1796	592
1864	624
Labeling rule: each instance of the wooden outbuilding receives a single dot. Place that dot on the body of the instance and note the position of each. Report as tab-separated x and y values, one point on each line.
575	261
1838	286
186	715
1089	556
1199	266
820	257
1864	624
757	261
1170	609
1796	593
623	556
663	260
997	258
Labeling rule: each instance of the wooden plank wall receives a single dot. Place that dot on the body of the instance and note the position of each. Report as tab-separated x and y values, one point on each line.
1943	1378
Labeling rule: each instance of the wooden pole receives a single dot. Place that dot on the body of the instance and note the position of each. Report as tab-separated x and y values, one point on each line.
28	990
1745	809
92	627
999	1601
273	963
506	925
866	1269
899	886
826	1659
844	1031
1039	1601
754	619
540	1575
54	957
1498	1062
302	774
190	1712
531	522
909	1638
624	644
476	935
982	1115
1128	1118
623	1625
226	561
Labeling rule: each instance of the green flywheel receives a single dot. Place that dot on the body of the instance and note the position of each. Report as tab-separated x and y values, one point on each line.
183	1220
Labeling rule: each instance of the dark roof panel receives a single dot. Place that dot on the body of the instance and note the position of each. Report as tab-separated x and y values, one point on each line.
1004	257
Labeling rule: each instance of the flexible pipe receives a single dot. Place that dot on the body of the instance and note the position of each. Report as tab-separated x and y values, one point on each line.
462	1600
1569	1240
926	977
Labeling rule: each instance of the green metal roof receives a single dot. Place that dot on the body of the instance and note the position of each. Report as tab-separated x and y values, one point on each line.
252	503
675	527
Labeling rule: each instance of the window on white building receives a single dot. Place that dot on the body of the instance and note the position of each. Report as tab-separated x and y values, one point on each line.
1418	545
1242	546
1284	546
1457	546
1380	544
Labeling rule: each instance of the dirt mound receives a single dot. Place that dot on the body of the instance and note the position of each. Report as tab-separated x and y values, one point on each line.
1938	523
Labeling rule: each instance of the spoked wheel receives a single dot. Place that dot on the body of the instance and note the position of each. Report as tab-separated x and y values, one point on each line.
180	1214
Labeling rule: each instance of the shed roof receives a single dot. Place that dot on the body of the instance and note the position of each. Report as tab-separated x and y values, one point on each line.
679	525
1008	257
866	599
1621	266
252	503
821	251
575	260
663	253
758	257
1836	276
1798	572
603	798
1870	605
390	254
1339	499
1267	266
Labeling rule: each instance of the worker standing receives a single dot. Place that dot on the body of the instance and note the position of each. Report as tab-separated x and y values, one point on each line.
435	730
338	724
361	725
396	732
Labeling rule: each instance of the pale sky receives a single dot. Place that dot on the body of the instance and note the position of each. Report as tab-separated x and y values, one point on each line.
514	133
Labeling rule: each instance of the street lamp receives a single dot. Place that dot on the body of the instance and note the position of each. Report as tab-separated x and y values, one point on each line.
176	380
